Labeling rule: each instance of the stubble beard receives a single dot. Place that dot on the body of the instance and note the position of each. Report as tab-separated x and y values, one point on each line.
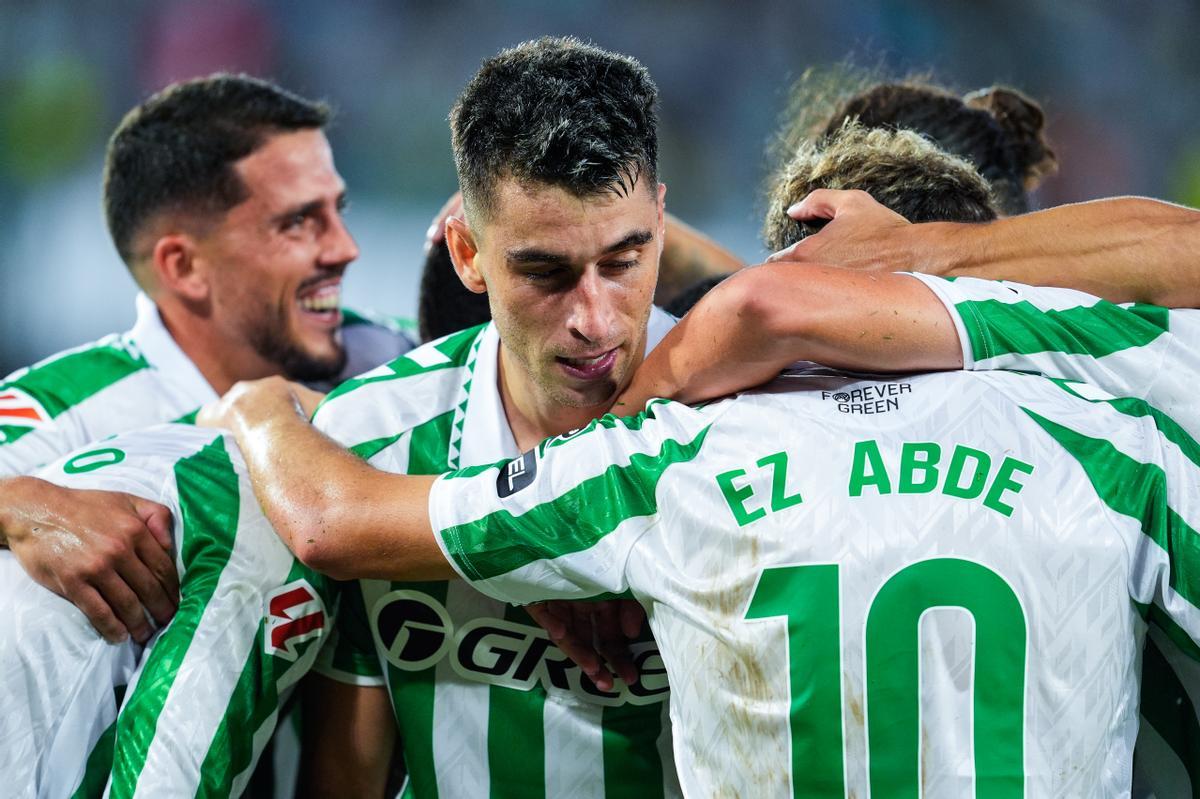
268	335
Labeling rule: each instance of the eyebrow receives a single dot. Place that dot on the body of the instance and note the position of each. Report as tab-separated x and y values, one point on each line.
530	255
310	207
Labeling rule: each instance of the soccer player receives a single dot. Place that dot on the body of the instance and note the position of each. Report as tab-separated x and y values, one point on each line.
563	227
203	702
222	197
855	583
327	549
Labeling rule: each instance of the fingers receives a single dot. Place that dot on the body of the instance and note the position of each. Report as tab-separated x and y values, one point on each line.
540	612
819	204
793	253
98	612
157	519
633	616
151	574
558	619
612	642
124	603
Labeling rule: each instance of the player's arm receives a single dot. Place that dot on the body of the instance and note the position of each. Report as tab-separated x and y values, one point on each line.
107	552
689	256
348	739
767	317
339	515
1124	249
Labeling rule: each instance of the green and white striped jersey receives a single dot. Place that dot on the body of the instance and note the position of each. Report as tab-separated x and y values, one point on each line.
486	704
132	380
1135	353
931	585
203	701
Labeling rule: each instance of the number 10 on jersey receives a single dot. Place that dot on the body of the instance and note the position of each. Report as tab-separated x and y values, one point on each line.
808	598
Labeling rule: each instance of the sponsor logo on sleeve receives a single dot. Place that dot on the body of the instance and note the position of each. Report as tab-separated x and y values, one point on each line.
518	474
295	613
19	409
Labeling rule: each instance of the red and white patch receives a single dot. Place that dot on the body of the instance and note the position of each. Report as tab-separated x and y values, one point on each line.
295	613
19	409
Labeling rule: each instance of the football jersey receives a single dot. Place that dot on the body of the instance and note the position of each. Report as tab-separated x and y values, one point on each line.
249	624
1133	352
485	703
932	585
131	380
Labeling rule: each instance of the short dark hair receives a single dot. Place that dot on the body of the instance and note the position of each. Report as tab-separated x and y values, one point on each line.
899	168
444	304
998	130
555	111
175	151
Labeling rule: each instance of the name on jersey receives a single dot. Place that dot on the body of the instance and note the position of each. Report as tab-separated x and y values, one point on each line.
869	399
414	632
914	467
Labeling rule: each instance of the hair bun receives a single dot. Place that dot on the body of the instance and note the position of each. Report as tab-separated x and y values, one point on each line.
1024	123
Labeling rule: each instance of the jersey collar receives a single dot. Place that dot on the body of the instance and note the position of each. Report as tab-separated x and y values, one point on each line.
486	436
159	349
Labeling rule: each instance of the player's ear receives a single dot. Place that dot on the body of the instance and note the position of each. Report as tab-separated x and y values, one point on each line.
176	266
465	254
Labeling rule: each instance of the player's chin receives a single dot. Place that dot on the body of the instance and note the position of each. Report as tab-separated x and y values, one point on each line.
318	360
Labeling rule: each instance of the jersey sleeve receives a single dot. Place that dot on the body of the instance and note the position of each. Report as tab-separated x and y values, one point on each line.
1129	350
561	521
349	655
32	434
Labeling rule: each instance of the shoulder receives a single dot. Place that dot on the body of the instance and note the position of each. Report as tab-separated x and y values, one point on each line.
69	377
141	462
403	392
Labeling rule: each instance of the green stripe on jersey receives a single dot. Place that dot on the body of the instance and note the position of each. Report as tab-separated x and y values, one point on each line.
632	764
66	380
208	504
99	762
1139	491
1139	409
1000	328
516	736
571	522
455	347
412	695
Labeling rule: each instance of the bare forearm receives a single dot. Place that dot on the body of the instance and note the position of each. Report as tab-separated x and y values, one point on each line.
755	324
336	513
688	256
1125	249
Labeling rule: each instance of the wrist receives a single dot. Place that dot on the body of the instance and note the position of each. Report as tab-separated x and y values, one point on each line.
18	493
936	248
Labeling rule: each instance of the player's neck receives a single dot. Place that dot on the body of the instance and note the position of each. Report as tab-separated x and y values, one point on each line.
531	415
220	361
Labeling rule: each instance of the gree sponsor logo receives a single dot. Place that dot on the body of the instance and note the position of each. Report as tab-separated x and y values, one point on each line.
295	613
414	632
869	399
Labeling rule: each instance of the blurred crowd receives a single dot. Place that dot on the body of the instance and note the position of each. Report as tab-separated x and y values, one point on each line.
1114	78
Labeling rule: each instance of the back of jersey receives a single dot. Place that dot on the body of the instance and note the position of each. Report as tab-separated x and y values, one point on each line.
903	584
924	586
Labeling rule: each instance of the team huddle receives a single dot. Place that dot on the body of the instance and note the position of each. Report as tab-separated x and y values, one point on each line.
911	509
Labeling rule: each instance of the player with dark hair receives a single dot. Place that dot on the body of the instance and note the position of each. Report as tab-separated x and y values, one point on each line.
223	200
904	171
562	227
998	130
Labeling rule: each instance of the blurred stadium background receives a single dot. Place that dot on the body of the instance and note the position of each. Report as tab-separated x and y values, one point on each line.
1116	78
